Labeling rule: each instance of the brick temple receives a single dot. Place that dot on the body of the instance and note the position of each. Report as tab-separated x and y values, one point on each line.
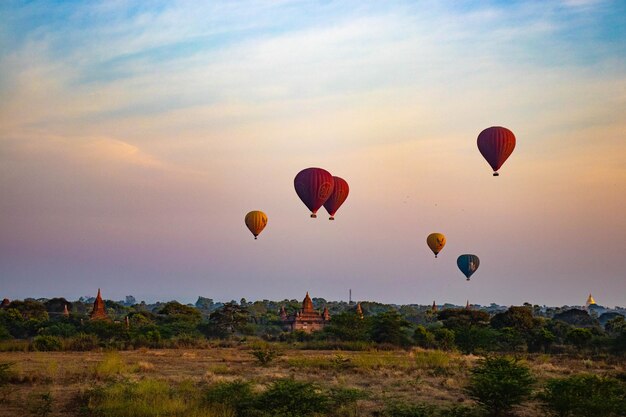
99	311
307	319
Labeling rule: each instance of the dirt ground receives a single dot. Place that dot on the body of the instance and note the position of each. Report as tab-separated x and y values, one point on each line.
413	376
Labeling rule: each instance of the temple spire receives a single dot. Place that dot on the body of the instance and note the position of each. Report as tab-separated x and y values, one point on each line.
590	300
99	309
434	307
66	312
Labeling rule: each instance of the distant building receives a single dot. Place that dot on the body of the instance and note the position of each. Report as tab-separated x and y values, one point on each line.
99	309
306	319
590	301
5	303
66	312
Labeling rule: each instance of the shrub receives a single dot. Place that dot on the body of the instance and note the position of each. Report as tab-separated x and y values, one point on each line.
82	342
111	365
424	338
290	398
236	395
6	372
499	383
265	353
584	395
47	344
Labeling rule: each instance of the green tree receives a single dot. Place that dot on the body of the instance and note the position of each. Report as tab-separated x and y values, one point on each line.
389	327
348	326
499	383
585	396
227	320
579	337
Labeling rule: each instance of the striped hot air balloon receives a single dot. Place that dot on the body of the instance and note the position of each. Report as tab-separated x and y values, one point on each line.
496	144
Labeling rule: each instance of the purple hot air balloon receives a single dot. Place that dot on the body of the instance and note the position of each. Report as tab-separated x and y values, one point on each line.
338	196
496	144
314	186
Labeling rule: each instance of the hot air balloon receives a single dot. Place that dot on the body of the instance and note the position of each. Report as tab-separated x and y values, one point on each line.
256	222
338	196
314	186
468	264
436	242
496	144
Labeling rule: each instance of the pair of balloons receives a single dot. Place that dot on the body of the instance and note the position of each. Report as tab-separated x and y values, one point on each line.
467	263
316	187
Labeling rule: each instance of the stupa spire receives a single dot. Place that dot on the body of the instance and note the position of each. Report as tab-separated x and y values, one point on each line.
590	300
99	309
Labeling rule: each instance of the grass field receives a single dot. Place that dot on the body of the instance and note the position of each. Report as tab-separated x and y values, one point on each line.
59	383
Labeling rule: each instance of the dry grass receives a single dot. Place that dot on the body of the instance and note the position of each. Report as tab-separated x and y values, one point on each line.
416	376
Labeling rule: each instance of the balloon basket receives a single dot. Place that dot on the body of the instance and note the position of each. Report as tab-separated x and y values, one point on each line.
467	279
314	216
331	218
495	174
255	238
435	256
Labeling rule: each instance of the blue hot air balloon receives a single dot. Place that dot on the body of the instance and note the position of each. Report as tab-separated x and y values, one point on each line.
468	264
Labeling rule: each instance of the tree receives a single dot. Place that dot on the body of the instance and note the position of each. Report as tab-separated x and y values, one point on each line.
348	326
227	320
499	383
389	327
518	318
579	337
585	396
424	338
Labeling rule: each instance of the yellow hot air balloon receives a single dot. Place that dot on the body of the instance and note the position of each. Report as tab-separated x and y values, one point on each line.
256	221
436	242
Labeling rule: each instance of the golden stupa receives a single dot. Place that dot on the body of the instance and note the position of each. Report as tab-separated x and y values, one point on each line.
590	300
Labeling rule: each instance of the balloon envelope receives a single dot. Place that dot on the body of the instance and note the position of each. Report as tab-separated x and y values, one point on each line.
314	186
436	242
496	144
338	196
468	264
256	221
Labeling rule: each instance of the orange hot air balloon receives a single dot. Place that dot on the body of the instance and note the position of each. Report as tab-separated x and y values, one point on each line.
256	221
496	144
336	199
314	186
436	242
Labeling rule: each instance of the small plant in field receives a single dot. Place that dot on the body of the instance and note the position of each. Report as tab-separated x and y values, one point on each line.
434	360
584	395
499	383
340	362
265	353
111	365
42	406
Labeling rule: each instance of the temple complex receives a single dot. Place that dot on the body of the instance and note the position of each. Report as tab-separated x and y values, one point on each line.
306	319
99	310
66	312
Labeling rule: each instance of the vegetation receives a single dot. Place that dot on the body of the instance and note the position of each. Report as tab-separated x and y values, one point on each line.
585	395
499	383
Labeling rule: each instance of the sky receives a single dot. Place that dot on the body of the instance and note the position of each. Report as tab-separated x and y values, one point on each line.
135	136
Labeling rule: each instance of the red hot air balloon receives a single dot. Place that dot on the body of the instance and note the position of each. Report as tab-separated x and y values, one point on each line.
496	144
336	199
314	186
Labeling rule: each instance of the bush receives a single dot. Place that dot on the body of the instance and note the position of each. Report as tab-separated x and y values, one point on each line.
584	395
499	383
290	398
265	353
47	344
83	342
236	395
